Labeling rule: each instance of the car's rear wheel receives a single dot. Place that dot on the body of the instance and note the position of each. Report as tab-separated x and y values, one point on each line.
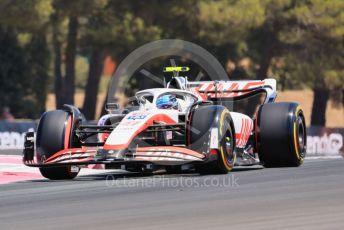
206	123
53	134
281	135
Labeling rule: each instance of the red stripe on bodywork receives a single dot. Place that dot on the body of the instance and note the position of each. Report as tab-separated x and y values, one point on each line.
171	149
71	152
229	86
68	132
242	137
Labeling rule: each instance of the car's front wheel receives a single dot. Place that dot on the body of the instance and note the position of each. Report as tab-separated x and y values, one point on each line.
53	134
206	123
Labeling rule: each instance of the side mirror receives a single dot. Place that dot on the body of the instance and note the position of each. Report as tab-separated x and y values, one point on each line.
142	100
111	107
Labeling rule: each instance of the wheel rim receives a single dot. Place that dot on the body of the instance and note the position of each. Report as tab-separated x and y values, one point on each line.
228	144
301	136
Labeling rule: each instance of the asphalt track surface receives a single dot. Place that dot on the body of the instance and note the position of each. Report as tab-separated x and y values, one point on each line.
308	197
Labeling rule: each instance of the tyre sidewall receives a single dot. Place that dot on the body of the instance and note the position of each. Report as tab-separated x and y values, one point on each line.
53	135
203	120
277	134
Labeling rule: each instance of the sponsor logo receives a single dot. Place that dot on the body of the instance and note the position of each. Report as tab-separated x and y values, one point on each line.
137	116
214	140
12	140
222	87
329	144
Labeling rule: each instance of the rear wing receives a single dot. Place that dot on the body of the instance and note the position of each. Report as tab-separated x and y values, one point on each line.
233	89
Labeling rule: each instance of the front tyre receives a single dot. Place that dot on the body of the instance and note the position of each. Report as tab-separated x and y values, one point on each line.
53	134
281	135
60	173
206	122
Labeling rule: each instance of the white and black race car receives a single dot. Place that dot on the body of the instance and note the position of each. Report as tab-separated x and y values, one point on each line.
206	126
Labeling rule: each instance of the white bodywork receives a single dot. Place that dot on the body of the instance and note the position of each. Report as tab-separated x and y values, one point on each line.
243	126
135	122
189	93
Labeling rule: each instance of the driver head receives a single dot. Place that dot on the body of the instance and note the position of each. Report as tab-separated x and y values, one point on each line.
167	101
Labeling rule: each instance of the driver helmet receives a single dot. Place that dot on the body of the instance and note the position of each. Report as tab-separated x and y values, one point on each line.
167	101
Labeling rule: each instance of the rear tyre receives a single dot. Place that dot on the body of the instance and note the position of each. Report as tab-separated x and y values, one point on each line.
53	135
220	160
281	135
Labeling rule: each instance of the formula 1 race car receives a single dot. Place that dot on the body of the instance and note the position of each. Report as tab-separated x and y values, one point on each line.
202	125
206	126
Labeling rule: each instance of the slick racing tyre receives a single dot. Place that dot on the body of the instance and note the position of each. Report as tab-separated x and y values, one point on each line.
281	135
53	135
205	123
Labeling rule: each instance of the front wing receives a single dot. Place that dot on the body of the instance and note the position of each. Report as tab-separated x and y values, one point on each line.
159	155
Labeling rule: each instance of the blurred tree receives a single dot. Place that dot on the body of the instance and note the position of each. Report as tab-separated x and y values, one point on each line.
224	21
318	31
24	56
25	16
264	43
38	62
115	30
71	12
14	86
224	27
220	26
301	41
69	83
57	66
